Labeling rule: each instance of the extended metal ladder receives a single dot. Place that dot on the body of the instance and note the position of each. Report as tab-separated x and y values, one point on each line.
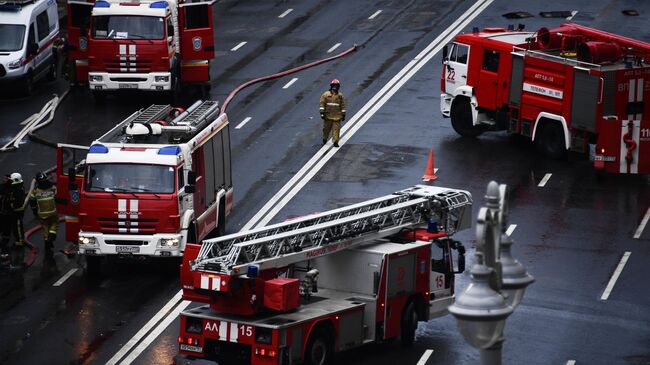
294	241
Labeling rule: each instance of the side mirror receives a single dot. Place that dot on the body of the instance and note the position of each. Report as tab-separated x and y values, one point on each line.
190	189
32	49
445	53
191	178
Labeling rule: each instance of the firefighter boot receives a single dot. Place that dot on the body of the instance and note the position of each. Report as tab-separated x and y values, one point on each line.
49	245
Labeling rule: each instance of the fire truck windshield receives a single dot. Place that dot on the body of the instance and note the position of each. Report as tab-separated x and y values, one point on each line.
128	27
130	178
11	37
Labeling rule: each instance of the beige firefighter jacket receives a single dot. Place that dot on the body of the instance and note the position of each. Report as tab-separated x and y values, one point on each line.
333	105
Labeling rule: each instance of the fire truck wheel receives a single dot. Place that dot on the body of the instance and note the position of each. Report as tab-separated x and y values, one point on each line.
409	325
551	140
319	348
461	118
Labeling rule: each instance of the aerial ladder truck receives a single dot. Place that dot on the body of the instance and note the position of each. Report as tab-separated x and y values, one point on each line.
301	290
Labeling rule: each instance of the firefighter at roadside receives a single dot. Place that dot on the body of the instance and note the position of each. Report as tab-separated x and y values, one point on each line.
332	111
16	206
42	202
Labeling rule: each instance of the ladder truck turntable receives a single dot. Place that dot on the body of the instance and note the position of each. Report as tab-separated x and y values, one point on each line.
300	290
157	179
572	88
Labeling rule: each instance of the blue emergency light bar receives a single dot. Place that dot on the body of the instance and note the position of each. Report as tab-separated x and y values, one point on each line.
159	5
98	148
169	150
102	4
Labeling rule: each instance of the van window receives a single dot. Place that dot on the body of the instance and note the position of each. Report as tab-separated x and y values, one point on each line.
11	37
42	25
32	35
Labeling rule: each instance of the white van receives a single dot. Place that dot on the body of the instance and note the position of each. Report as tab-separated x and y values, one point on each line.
28	30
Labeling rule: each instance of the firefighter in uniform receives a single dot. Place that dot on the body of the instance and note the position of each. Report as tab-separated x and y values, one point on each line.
42	202
16	206
332	111
5	222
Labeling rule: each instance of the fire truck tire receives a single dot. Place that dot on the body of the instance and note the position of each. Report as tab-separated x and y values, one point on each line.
320	347
551	140
461	118
409	324
93	265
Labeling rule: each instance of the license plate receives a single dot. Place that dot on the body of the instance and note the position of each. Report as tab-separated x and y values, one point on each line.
185	347
127	249
128	86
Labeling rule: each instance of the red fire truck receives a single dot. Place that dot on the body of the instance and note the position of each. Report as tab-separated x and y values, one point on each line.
148	45
155	181
301	290
570	88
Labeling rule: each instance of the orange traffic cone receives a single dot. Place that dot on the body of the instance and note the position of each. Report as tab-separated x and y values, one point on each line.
430	172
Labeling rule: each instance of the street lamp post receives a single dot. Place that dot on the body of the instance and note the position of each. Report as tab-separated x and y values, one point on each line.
498	281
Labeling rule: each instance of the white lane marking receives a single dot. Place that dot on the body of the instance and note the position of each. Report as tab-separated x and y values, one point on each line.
243	122
145	330
426	55
285	13
373	16
511	229
425	357
65	277
309	170
290	83
333	48
544	180
240	45
155	333
573	13
617	273
571	362
641	227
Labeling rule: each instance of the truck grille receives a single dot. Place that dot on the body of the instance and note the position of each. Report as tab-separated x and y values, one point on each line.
131	226
137	65
126	243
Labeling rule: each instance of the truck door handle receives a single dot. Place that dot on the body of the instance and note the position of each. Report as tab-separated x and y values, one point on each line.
463	76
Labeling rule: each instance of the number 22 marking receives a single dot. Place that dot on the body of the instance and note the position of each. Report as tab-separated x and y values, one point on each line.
451	74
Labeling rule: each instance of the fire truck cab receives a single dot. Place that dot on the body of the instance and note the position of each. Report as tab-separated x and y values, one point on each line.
158	179
149	45
570	88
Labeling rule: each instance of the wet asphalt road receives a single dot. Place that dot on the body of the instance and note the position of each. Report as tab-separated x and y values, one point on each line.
570	234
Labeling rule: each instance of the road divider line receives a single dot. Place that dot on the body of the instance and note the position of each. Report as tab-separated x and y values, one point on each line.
511	229
240	45
147	328
65	277
642	225
285	13
309	170
571	362
573	13
290	83
425	357
333	48
617	273
243	122
545	179
374	15
165	316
